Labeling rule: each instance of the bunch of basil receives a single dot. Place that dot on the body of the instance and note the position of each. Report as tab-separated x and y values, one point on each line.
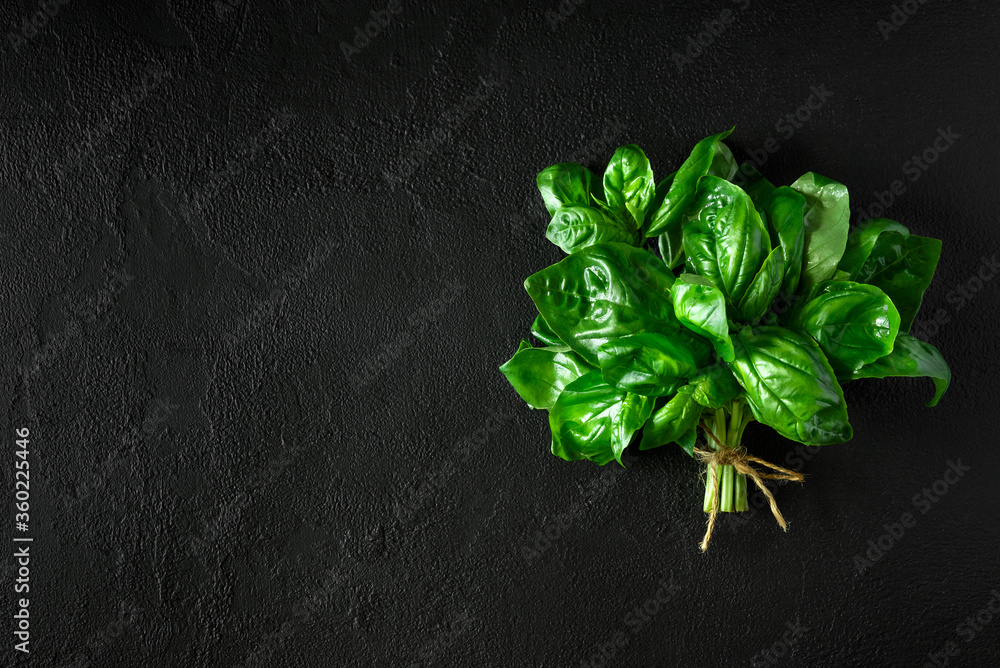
761	299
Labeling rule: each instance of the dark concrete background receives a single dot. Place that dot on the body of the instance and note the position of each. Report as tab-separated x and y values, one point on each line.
259	284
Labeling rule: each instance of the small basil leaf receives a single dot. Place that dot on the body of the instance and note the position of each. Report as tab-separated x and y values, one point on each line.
684	188
673	422
826	221
650	364
540	374
565	184
861	242
911	358
671	241
576	227
714	386
723	163
602	293
764	288
784	209
790	386
541	331
628	185
854	324
592	420
701	307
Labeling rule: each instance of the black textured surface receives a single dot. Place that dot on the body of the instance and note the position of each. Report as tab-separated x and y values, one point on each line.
257	293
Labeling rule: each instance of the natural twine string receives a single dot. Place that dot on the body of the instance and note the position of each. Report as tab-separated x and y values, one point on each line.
743	463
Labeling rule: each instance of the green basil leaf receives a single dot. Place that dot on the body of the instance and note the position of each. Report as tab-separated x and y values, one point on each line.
784	208
671	241
628	185
651	364
592	420
723	163
911	358
701	307
826	221
764	288
902	266
861	242
725	240
576	227
684	189
602	293
854	324
790	385
540	374
673	422
755	185
714	386
541	331
565	184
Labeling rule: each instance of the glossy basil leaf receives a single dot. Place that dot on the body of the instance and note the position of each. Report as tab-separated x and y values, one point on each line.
785	208
629	186
576	227
687	440
672	422
790	386
861	242
725	240
684	189
602	293
854	324
651	364
754	184
826	221
565	184
902	266
714	386
671	241
764	288
540	374
911	358
541	331
701	307
723	163
593	420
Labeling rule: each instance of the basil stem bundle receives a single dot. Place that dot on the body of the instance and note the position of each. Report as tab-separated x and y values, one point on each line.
759	306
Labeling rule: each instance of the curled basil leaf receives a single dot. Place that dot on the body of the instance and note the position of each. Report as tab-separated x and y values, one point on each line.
565	184
911	358
541	331
701	307
673	422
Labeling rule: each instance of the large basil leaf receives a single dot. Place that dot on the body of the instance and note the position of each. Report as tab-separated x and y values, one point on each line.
540	374
725	240
684	188
541	331
673	422
826	221
576	227
861	242
854	324
790	385
911	358
701	307
602	293
651	364
565	184
628	185
903	267
764	288
714	386
594	420
784	208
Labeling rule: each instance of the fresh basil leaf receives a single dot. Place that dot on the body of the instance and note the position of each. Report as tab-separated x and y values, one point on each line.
725	240
576	227
540	374
790	385
672	422
902	266
541	331
723	163
911	358
701	307
714	386
764	288
565	184
593	420
671	241
784	208
826	221
651	364
628	185
861	242
684	189
602	293
754	184
854	324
